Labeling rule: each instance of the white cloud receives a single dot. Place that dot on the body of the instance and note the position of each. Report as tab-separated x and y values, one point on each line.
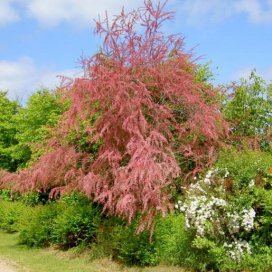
197	12
82	12
16	75
53	12
8	13
257	11
265	73
22	77
78	12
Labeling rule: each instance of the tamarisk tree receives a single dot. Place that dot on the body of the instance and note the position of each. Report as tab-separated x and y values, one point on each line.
138	120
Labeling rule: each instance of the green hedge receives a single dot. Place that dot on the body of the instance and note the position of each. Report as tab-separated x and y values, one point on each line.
74	221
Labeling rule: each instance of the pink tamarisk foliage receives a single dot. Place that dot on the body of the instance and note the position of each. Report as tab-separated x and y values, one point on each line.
140	105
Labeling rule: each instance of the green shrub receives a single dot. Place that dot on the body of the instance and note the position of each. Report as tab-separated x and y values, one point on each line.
119	241
228	215
68	222
37	226
30	199
77	222
5	195
252	169
245	166
171	235
132	248
175	245
10	215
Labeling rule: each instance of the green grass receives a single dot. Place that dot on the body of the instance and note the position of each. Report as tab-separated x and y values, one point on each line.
50	260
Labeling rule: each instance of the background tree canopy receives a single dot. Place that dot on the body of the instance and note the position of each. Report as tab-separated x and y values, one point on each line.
23	129
8	131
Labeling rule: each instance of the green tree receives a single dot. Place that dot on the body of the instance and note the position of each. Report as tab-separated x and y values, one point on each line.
34	122
8	130
250	108
23	129
204	73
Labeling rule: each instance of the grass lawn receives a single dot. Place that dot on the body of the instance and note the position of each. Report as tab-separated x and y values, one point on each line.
49	260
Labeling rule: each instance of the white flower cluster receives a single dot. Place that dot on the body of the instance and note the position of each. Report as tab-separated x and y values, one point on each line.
237	249
248	216
243	221
201	210
233	222
209	214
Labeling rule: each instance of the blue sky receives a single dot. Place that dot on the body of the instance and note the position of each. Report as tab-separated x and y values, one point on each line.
40	39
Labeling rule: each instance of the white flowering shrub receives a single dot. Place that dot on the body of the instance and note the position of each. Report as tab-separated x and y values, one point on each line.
237	249
228	215
212	214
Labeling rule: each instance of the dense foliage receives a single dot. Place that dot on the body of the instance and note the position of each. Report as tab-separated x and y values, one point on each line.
8	132
24	128
145	117
143	132
228	211
249	110
34	123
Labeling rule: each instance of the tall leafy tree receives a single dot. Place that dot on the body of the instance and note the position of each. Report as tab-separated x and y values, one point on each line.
249	109
34	123
8	130
24	129
145	116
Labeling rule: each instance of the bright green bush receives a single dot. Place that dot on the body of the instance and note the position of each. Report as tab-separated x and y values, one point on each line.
135	249
76	223
38	225
11	214
169	243
245	166
68	222
174	243
31	199
251	173
6	195
118	240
